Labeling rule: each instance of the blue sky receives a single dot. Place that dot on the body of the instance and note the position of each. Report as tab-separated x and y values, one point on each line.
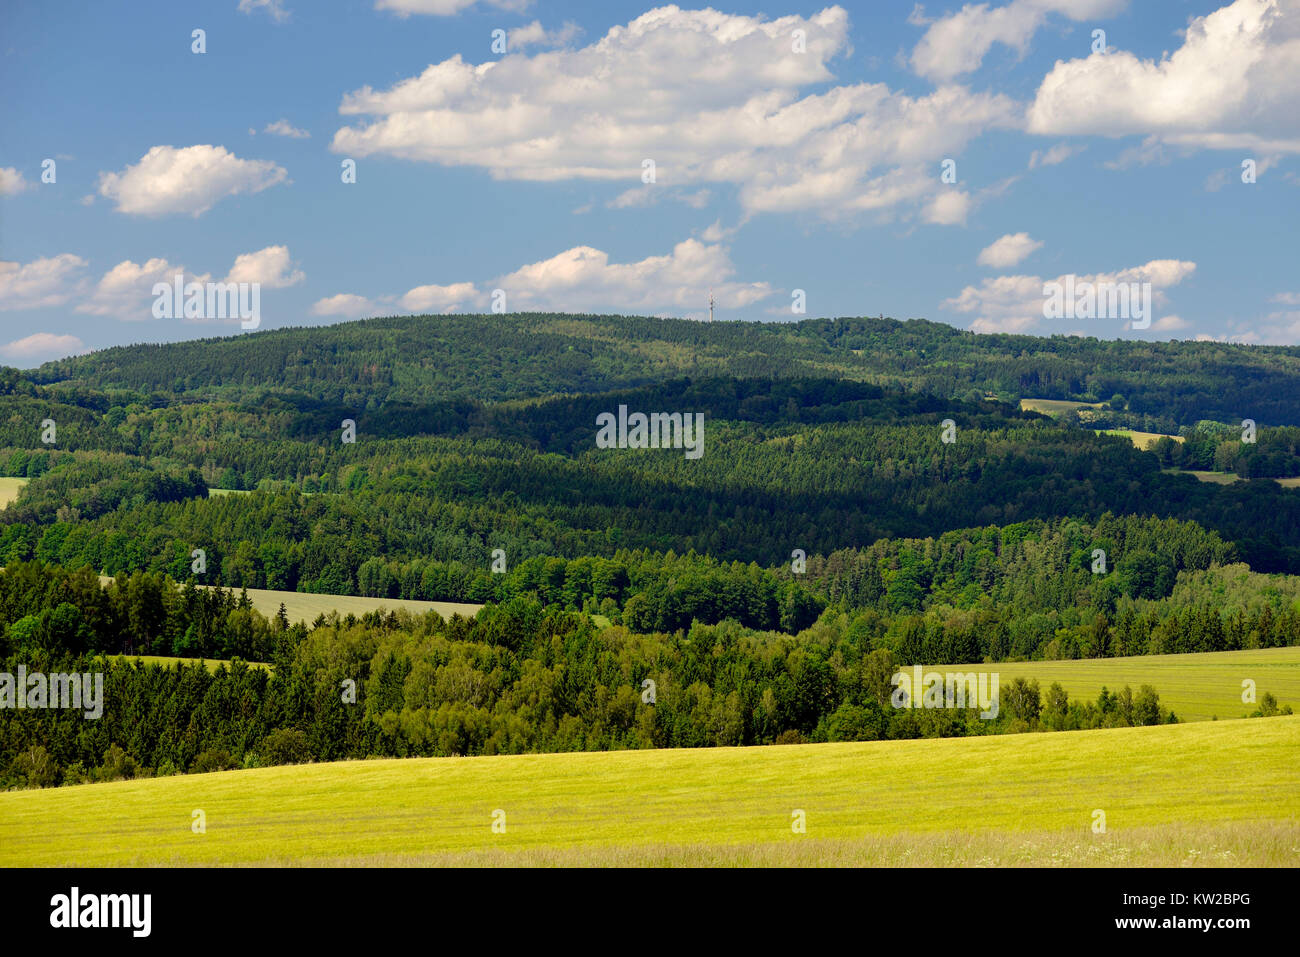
775	169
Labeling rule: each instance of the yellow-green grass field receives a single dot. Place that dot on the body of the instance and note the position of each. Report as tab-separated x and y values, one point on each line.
1141	440
1202	475
1197	687
301	606
1220	793
1227	478
9	488
1055	407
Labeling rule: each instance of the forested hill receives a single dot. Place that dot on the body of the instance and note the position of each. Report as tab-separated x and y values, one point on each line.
489	358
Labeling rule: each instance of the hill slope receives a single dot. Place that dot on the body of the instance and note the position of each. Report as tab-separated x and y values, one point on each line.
1171	794
491	358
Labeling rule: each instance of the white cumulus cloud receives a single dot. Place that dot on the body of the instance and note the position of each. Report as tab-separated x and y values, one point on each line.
49	281
125	291
348	306
188	180
1231	85
12	181
711	97
957	43
42	347
1015	303
582	279
271	267
1009	250
454	298
283	127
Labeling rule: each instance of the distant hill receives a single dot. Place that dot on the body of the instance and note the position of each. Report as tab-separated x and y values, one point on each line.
490	358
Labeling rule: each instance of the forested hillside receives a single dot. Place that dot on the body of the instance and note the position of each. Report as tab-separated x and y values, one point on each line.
867	494
433	359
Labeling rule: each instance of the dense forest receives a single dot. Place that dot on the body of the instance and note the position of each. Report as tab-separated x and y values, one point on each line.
870	495
519	677
421	359
818	465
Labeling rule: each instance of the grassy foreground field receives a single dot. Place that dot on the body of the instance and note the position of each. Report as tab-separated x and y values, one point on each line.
1211	793
1197	687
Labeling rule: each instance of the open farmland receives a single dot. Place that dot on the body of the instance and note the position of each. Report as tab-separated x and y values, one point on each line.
303	606
1055	407
1141	440
300	606
1172	794
1197	687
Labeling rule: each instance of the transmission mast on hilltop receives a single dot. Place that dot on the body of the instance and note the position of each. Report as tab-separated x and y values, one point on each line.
710	305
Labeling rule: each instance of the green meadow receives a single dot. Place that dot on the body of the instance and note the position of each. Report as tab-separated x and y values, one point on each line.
304	606
9	489
1208	793
1141	440
1197	687
1055	407
301	606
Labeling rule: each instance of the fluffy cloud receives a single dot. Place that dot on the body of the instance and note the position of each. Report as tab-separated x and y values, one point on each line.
189	180
348	306
126	291
710	97
453	298
1008	251
11	181
1015	303
534	34
1231	85
285	128
42	282
948	208
271	267
582	279
957	43
41	347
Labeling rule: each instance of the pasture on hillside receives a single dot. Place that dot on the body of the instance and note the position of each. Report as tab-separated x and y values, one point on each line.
1197	687
305	606
9	488
1221	793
